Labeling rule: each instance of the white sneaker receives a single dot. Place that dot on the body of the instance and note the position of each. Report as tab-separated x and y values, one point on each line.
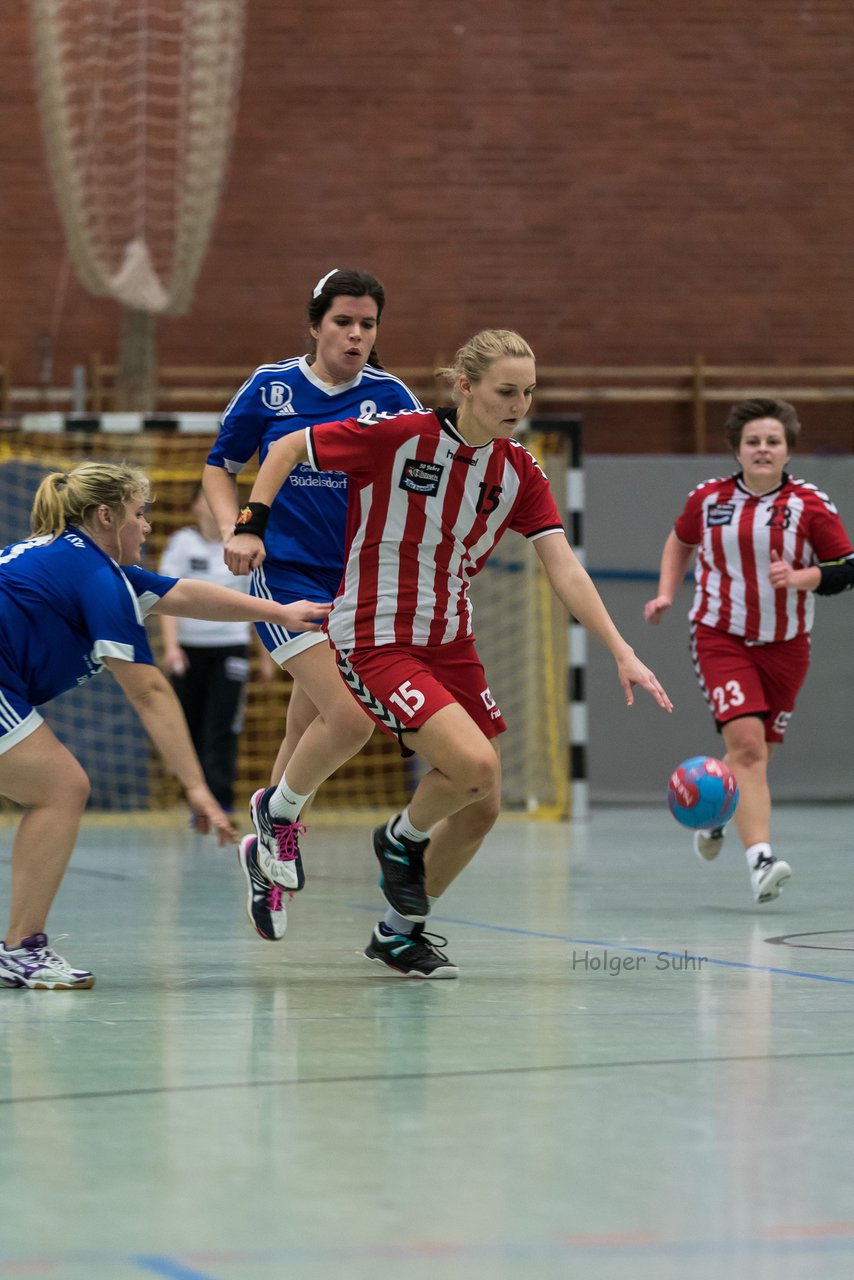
34	964
708	844
265	901
278	843
768	877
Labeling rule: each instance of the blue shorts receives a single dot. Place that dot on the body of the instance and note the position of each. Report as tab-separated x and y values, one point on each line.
18	718
285	584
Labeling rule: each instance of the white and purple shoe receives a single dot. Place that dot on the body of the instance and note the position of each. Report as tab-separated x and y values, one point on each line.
34	964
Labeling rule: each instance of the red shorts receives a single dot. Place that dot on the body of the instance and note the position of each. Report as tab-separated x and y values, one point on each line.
743	679
401	686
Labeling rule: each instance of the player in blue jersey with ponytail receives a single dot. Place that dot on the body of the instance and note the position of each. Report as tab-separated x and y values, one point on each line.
304	537
73	601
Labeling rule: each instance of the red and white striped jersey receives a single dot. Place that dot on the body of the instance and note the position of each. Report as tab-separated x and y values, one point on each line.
735	532
425	509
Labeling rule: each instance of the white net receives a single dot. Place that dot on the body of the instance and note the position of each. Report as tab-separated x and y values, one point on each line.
138	100
520	631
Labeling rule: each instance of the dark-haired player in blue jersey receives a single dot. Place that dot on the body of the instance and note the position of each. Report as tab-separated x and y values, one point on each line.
73	601
304	539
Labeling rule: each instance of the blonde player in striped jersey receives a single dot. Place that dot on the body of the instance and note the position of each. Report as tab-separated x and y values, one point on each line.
764	543
430	495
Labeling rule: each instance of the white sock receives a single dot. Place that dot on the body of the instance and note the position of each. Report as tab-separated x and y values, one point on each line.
404	827
397	923
761	849
285	803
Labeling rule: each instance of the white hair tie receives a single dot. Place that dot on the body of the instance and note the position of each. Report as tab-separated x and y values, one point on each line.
318	288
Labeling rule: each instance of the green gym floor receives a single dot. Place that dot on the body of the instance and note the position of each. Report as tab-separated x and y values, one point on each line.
639	1074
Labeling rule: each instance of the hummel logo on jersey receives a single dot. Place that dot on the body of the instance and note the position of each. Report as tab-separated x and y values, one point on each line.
421	477
371	417
720	513
461	457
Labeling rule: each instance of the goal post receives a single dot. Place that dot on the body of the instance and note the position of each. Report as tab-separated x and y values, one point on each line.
520	629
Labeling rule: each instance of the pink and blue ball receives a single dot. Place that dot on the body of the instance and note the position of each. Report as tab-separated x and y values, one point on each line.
702	793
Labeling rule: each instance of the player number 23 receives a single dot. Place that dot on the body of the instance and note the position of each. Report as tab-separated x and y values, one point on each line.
408	699
727	695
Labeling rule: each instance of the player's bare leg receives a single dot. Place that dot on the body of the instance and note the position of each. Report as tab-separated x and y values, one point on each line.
41	775
747	755
301	711
456	839
457	802
465	766
339	729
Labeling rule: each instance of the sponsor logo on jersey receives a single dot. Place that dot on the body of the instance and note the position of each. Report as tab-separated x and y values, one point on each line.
421	477
277	397
306	479
720	513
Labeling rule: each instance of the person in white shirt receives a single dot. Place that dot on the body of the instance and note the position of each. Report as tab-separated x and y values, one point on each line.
207	662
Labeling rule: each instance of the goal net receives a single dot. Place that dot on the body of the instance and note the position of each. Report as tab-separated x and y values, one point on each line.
137	101
519	627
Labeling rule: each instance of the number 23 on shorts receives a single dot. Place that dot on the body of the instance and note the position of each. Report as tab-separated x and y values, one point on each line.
727	696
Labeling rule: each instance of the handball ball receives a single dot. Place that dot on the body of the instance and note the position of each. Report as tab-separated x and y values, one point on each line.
702	793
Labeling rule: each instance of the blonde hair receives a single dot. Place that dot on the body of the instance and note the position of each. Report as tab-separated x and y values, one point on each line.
71	497
477	356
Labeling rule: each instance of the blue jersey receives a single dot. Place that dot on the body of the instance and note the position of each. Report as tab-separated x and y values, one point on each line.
307	520
65	606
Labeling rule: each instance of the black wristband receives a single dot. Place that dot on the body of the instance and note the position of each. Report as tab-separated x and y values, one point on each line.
835	577
252	519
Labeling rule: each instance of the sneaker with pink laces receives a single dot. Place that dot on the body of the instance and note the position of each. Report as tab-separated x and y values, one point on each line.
265	902
278	843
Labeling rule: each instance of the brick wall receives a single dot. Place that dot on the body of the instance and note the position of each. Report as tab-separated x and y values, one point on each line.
625	181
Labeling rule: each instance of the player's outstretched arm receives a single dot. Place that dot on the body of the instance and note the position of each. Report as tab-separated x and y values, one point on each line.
282	457
675	559
574	587
154	700
244	551
192	598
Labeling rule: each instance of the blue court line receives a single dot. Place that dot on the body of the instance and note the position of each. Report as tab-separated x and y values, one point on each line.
618	947
628	575
168	1268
